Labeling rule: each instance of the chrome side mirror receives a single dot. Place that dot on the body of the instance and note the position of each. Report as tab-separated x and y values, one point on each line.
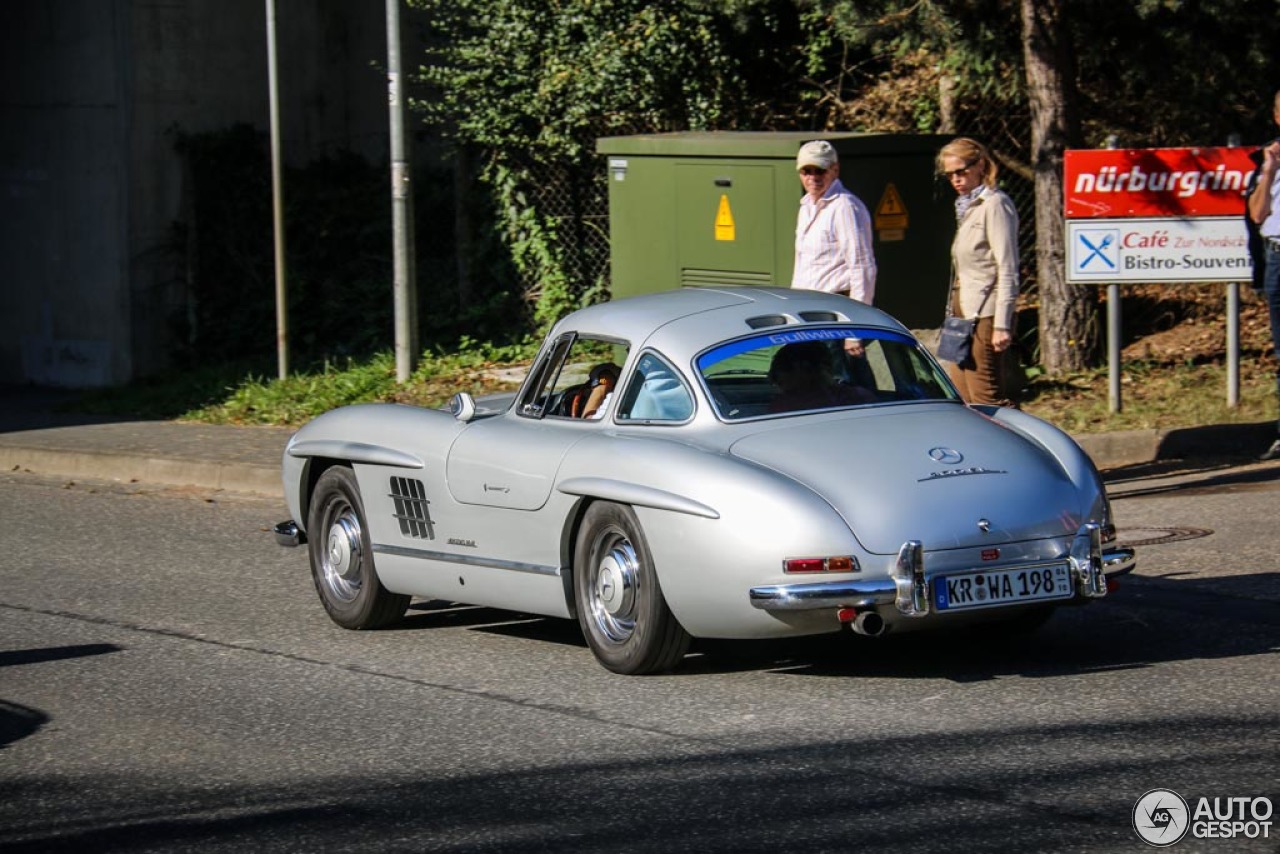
463	406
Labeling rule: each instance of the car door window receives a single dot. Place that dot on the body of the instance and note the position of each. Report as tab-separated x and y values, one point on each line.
575	379
656	392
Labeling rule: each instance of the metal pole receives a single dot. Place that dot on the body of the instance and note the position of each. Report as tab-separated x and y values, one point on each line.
277	198
1113	345
1113	325
1233	344
406	313
1233	325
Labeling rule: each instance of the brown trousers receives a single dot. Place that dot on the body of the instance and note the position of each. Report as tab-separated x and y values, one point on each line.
982	378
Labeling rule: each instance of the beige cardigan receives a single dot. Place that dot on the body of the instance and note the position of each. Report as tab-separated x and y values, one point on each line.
985	256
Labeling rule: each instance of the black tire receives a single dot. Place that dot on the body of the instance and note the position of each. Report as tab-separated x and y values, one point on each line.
342	558
621	609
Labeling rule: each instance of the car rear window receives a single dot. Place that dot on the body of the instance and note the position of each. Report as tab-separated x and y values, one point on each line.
808	370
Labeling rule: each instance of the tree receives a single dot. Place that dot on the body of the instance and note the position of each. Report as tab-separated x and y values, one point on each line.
529	85
1068	313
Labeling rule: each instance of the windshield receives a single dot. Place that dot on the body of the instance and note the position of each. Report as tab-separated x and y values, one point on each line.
812	370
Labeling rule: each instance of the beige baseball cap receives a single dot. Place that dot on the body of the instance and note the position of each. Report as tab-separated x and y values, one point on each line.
819	153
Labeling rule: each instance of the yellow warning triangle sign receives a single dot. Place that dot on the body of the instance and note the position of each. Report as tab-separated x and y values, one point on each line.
891	212
724	221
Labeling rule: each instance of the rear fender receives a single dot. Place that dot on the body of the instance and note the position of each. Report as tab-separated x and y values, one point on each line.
1075	463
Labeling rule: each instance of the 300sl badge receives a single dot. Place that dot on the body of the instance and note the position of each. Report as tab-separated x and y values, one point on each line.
935	475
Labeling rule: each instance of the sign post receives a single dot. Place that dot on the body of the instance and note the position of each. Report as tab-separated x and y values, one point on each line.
1160	215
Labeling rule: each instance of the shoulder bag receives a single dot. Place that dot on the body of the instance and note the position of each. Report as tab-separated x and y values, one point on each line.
955	340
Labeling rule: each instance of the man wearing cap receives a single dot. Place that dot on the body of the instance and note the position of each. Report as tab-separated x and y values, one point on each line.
833	232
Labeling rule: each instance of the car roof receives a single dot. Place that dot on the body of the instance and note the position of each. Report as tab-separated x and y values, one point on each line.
684	321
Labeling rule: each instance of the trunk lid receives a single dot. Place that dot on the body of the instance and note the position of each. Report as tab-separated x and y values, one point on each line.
939	474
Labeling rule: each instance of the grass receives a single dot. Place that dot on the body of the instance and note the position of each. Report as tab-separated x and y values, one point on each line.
1154	393
246	394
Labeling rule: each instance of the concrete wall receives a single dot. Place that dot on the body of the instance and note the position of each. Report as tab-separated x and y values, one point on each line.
90	184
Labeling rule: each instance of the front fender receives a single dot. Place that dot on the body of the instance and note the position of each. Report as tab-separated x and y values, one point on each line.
386	434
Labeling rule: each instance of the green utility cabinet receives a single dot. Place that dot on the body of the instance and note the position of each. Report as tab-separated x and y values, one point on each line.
720	208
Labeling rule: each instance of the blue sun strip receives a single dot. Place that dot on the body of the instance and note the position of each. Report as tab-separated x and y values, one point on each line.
776	339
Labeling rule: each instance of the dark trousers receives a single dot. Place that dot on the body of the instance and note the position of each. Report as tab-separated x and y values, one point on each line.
1271	291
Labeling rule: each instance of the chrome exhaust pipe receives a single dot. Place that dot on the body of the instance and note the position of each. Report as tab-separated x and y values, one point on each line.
868	623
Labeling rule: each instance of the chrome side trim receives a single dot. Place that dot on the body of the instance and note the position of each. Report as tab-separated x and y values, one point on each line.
632	493
356	452
289	534
467	560
824	594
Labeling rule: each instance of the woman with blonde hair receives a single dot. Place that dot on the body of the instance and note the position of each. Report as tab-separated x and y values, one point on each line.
984	259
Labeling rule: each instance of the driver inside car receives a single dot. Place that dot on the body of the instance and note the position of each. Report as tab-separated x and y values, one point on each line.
802	372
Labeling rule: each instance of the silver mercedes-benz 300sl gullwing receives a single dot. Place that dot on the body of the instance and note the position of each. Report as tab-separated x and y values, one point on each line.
706	463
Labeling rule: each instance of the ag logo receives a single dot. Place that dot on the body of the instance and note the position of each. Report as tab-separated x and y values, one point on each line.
1161	817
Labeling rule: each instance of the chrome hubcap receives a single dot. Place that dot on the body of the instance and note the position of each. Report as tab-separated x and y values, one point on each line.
613	601
343	556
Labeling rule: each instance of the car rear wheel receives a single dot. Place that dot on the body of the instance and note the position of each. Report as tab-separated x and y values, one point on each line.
621	608
341	558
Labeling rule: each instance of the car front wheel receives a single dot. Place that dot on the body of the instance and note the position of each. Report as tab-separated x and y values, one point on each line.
621	608
341	558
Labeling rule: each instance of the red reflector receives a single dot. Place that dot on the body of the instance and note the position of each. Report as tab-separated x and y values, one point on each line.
846	615
990	554
1112	585
803	564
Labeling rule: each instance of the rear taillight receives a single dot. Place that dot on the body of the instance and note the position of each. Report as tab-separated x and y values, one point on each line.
842	563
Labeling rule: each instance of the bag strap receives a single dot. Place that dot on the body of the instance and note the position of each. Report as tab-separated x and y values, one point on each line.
951	291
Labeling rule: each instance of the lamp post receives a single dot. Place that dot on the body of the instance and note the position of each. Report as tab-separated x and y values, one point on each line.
406	308
277	199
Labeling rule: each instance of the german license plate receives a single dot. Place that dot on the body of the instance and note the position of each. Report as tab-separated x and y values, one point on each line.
1002	587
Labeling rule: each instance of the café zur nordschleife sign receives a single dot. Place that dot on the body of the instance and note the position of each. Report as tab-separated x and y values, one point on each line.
1156	215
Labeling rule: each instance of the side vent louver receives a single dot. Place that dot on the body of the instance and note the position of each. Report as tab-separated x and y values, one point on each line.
412	511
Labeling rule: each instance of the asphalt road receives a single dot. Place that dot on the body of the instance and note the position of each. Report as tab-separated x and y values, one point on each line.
169	682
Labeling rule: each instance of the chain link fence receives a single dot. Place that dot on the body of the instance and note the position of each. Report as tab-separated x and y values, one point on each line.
573	199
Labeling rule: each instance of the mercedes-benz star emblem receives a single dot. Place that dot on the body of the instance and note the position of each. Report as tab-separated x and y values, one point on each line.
950	456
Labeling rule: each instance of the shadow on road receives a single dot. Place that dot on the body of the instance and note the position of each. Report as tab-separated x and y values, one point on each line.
1145	622
1053	787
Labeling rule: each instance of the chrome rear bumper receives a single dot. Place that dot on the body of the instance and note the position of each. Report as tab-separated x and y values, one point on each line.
909	590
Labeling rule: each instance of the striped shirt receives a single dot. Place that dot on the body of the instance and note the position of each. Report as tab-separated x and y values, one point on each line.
833	246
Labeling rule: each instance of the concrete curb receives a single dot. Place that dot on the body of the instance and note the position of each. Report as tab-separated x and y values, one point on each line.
239	477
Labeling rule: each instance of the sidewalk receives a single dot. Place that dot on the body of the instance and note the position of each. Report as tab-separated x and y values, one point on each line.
36	437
